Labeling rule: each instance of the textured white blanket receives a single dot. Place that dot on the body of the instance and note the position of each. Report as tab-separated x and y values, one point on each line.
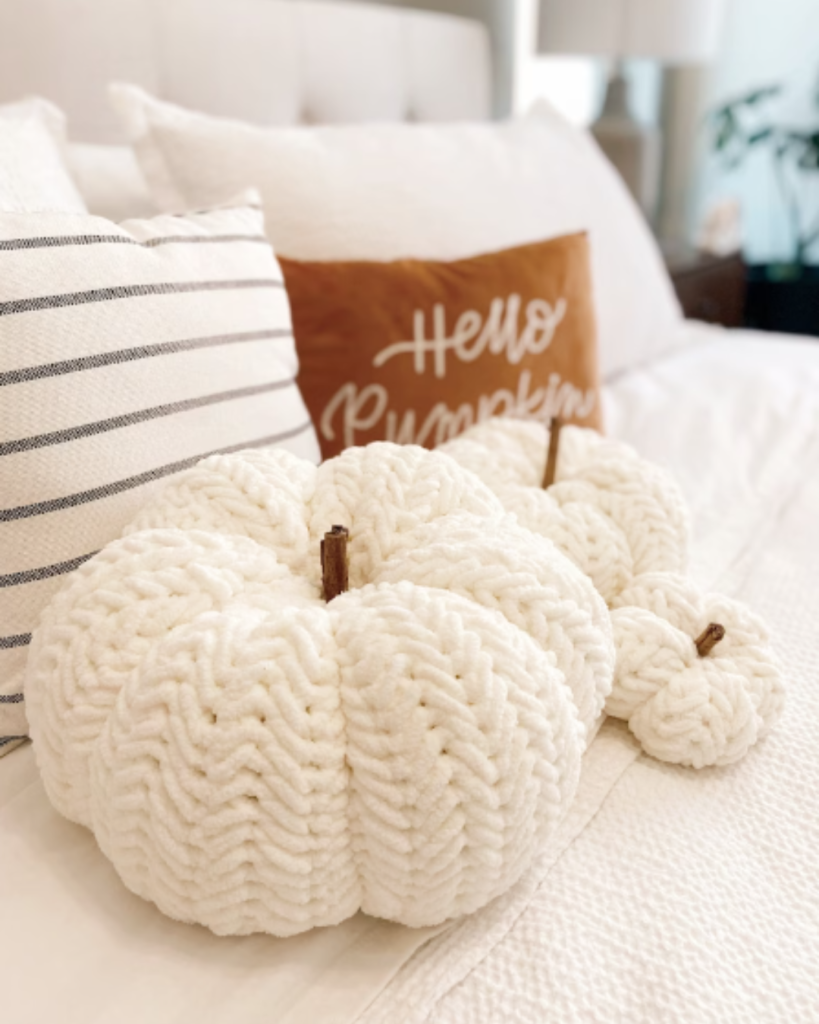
692	896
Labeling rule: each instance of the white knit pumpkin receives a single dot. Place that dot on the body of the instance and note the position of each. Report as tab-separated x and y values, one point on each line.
685	708
614	514
254	759
400	499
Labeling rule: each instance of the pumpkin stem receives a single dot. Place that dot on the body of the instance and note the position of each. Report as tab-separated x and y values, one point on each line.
709	638
334	573
551	458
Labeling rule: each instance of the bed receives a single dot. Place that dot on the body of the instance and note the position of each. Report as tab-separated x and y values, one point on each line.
666	895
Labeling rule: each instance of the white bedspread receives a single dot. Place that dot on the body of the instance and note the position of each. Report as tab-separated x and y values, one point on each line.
691	897
674	896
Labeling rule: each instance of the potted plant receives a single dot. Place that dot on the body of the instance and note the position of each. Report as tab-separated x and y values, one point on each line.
781	296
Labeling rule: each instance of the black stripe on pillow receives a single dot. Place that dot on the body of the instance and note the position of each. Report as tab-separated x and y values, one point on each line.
16	579
58	241
130	291
25	444
127	355
11	698
20	640
11	739
72	500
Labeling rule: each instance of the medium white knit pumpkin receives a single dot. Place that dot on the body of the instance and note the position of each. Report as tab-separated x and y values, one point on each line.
254	759
686	707
614	514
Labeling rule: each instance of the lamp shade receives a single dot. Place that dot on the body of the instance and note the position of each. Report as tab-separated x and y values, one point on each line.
671	31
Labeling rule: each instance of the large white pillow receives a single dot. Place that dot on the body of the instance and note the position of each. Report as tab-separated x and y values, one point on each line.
429	191
33	174
127	353
110	181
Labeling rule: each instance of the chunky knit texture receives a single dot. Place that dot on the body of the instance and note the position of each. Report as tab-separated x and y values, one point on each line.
253	759
687	709
624	522
502	566
380	492
612	513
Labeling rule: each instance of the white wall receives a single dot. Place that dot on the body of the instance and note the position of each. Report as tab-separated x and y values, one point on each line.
765	41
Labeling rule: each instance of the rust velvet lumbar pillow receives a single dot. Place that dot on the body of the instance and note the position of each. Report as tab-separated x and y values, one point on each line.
415	351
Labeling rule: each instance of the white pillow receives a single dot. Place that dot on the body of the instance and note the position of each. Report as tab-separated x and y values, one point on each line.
126	355
110	181
428	191
33	174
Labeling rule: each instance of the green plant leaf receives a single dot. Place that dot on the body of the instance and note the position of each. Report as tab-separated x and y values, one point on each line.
765	92
762	135
727	129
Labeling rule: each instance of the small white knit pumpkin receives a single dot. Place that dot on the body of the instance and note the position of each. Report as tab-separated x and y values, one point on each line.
254	759
614	514
686	707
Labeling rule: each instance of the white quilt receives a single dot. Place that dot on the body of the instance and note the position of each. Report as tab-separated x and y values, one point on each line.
674	896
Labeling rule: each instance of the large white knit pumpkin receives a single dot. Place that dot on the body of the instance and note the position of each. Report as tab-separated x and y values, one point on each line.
686	707
614	514
254	759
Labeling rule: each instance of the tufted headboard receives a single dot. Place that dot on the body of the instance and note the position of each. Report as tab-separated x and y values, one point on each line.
265	61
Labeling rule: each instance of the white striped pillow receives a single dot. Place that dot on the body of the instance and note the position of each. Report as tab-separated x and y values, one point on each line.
127	353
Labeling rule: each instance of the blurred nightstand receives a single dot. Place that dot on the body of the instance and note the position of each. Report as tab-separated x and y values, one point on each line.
710	288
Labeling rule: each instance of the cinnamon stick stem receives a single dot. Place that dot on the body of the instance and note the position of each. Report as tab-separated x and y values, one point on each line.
551	457
709	638
334	570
